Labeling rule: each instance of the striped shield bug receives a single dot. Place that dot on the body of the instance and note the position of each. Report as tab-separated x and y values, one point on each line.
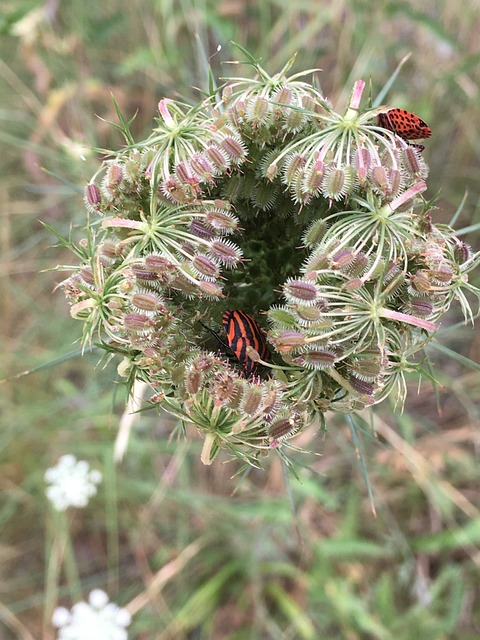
243	331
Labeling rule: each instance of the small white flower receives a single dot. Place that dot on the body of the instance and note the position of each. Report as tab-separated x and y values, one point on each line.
97	619
71	483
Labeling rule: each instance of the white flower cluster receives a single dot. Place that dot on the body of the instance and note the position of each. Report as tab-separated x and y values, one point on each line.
97	619
71	483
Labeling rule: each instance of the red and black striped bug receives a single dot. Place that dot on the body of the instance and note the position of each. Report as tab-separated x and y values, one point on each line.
243	331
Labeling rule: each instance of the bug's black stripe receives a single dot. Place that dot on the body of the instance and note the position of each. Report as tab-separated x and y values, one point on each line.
243	336
258	341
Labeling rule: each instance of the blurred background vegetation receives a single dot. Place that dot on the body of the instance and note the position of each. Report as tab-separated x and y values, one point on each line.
193	553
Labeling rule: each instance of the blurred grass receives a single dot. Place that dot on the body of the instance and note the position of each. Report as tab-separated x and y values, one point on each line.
193	553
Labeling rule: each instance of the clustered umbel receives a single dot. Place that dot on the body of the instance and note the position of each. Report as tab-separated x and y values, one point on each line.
262	198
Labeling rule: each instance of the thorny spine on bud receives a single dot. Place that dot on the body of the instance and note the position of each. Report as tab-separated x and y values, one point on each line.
269	202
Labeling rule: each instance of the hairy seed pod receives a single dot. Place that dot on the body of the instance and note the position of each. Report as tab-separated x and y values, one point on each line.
420	283
337	182
147	301
353	284
317	261
380	178
367	365
282	96
342	259
193	381
293	165
363	161
258	111
461	251
137	322
282	316
86	274
113	177
234	149
210	289
282	429
361	386
109	249
227	252
395	180
183	172
413	162
294	119
158	264
223	387
313	179
202	167
251	400
92	196
317	359
205	266
420	307
289	340
199	229
314	233
141	272
223	221
218	158
300	291
313	313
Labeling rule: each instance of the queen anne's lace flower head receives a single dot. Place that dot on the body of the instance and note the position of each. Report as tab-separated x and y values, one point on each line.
310	221
97	619
71	483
